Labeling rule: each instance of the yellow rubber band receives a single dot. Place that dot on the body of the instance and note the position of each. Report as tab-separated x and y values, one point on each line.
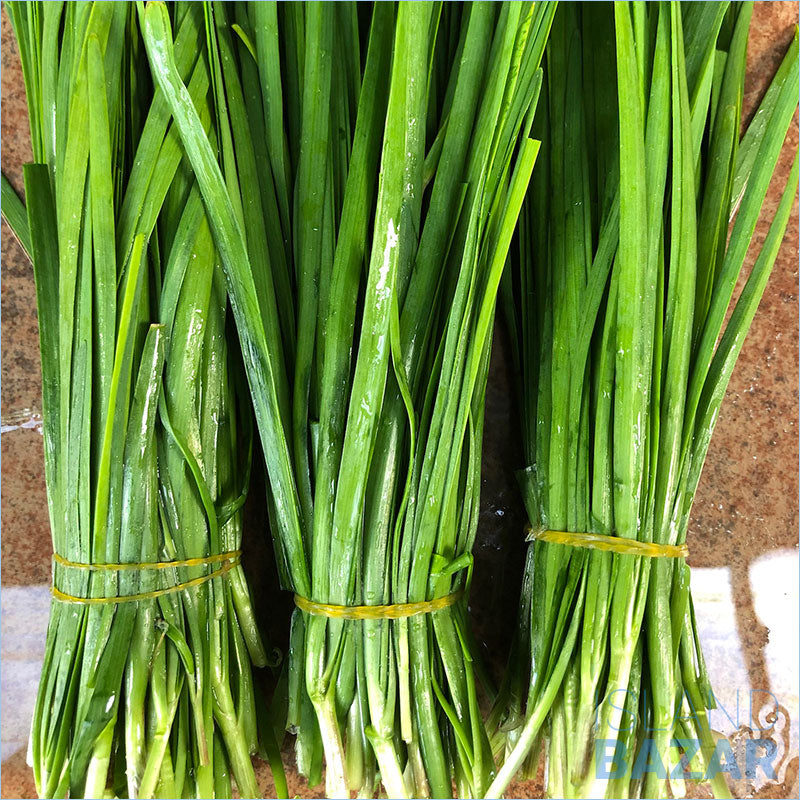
233	560
613	544
145	565
397	611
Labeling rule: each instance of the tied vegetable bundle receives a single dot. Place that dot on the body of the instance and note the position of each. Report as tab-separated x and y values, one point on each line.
623	274
146	436
364	179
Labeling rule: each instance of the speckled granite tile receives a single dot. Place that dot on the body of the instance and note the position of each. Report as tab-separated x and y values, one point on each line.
16	777
25	542
26	538
14	130
746	510
747	499
20	369
19	363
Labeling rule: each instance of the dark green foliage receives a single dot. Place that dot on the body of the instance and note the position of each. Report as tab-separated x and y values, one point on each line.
622	276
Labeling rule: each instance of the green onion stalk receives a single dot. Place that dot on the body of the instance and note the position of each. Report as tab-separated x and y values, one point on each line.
146	426
632	239
362	177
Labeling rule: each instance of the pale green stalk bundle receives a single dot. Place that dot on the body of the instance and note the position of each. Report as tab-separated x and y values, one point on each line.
146	454
364	179
624	271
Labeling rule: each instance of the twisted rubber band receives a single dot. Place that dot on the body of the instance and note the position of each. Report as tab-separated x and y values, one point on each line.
396	611
612	544
232	558
145	565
